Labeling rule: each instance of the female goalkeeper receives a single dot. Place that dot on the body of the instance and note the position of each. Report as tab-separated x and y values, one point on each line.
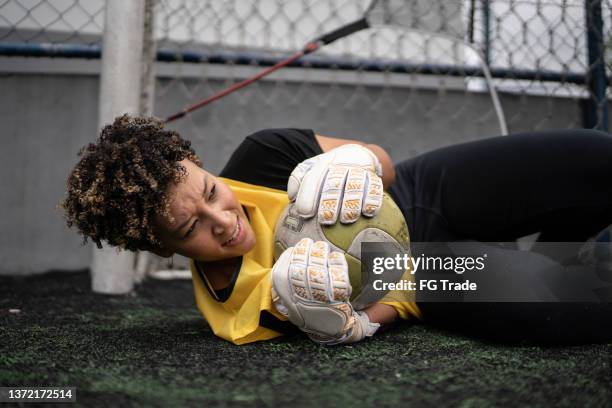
142	187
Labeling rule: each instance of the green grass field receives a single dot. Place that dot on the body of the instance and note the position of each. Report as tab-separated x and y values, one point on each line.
153	348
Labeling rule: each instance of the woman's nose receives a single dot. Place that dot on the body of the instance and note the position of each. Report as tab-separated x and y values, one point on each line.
223	222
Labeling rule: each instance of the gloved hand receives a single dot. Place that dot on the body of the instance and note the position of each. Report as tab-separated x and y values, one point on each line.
310	286
346	181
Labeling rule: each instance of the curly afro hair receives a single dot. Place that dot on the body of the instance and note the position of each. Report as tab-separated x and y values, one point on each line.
119	184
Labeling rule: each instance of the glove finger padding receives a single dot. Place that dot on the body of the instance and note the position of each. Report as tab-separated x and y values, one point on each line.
349	191
319	183
373	199
331	196
353	195
339	277
311	287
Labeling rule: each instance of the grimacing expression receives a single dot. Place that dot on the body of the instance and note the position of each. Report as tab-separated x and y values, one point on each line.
209	223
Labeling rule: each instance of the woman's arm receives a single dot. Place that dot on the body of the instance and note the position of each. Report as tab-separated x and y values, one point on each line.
328	143
381	313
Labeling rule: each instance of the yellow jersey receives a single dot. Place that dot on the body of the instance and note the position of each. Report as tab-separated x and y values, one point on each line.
247	313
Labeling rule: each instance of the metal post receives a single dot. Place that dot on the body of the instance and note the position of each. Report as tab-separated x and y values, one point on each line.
486	15
145	259
471	15
112	272
596	113
149	53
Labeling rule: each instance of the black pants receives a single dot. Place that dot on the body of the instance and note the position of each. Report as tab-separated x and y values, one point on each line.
558	183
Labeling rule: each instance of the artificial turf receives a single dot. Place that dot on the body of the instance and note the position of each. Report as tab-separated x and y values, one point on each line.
152	348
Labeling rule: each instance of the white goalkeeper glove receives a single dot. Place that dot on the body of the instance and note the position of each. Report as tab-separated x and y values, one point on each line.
311	287
345	181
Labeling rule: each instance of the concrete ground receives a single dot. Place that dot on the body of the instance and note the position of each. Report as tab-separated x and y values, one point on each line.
153	348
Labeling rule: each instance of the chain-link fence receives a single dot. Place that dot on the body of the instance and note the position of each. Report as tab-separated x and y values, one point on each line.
534	48
408	84
31	23
391	79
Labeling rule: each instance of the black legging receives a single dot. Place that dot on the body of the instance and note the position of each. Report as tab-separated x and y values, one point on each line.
558	183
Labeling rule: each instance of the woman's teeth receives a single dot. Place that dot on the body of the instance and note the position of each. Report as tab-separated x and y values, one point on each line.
235	233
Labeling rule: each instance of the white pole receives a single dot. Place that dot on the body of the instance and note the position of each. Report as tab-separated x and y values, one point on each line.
113	272
145	259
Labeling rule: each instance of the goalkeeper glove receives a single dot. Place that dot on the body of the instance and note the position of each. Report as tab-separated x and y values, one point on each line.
310	286
345	181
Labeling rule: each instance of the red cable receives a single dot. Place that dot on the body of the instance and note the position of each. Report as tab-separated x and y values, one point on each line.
310	47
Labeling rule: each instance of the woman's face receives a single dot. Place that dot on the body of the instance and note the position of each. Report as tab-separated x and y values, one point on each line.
209	222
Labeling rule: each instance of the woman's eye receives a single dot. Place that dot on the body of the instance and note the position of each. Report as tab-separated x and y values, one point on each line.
212	192
188	233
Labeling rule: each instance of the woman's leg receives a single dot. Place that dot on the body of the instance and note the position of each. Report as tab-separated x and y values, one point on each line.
499	189
530	281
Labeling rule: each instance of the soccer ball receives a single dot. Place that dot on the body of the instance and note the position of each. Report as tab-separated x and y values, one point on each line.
387	226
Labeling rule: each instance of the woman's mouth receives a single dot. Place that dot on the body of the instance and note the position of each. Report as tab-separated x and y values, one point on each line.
237	234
